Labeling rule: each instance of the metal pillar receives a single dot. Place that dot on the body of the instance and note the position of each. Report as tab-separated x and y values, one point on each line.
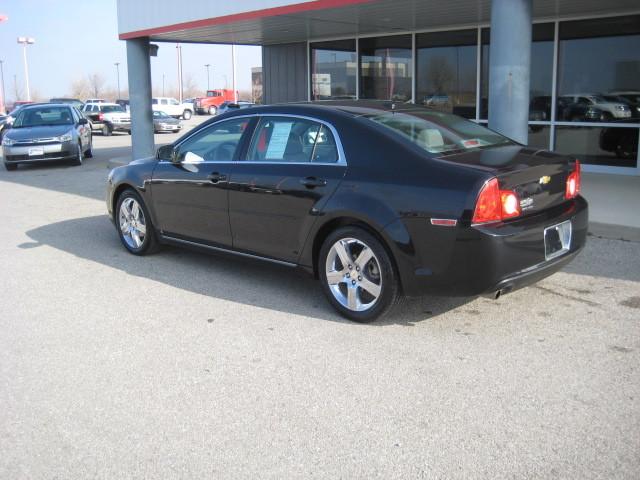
509	65
139	74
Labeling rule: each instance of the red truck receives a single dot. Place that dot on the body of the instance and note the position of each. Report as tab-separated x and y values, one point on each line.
212	101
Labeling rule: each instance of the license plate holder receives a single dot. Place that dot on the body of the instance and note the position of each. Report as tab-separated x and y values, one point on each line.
36	152
557	239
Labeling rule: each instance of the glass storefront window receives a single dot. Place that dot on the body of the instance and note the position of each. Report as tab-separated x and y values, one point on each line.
446	71
539	137
334	70
541	72
612	146
599	70
385	64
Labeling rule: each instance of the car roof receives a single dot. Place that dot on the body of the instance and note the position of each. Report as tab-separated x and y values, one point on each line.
103	104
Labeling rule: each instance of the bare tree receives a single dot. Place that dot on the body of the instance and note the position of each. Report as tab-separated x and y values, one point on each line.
96	84
189	86
17	90
80	89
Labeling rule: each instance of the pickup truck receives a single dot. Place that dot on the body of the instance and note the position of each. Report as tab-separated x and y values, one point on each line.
211	103
172	107
107	117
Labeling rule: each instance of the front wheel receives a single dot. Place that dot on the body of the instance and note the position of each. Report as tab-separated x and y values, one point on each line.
213	110
186	114
134	224
79	155
357	275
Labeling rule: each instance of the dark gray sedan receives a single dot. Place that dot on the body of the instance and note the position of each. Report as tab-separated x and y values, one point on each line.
46	133
165	123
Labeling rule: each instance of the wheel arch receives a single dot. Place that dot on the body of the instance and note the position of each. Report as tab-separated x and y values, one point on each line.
349	221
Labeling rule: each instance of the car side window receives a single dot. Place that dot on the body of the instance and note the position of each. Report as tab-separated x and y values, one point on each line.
154	101
173	101
295	140
216	143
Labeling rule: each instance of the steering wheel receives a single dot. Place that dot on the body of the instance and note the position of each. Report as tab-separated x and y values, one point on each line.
222	153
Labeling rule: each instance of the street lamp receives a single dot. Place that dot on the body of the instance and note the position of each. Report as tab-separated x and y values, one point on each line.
207	67
26	41
117	64
4	96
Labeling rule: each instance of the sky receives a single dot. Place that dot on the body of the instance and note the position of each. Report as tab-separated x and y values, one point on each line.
77	38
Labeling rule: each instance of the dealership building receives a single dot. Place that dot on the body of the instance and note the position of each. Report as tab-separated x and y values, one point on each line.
555	74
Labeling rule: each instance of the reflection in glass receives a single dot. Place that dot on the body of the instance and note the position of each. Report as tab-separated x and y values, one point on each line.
541	72
446	71
385	64
599	70
539	137
334	70
613	146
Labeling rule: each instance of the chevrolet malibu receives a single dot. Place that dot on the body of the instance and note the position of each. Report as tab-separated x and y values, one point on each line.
46	132
377	200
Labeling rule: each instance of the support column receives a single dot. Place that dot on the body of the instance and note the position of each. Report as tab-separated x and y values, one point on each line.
509	65
139	74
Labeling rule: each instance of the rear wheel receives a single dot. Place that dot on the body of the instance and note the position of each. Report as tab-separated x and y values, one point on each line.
134	224
88	153
106	130
213	110
357	275
186	114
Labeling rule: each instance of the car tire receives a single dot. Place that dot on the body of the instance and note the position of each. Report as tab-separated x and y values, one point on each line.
130	215
367	287
106	131
10	166
186	114
88	153
213	110
79	156
605	117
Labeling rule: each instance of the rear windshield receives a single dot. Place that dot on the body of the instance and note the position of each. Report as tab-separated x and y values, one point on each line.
111	108
35	117
438	132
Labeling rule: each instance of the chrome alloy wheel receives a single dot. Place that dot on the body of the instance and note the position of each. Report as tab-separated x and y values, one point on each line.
132	223
353	274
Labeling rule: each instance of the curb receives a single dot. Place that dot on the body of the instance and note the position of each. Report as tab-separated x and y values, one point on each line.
614	232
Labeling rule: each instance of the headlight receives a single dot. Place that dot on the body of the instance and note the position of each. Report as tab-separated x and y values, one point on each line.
7	142
65	138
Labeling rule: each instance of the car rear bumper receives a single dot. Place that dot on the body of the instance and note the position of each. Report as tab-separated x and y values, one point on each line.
50	152
483	260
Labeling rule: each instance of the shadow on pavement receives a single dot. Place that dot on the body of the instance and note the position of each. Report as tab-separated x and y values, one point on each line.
233	279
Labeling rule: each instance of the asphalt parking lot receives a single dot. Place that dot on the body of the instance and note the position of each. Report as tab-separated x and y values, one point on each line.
182	365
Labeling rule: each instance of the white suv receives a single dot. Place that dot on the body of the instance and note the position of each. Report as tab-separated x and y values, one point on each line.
172	107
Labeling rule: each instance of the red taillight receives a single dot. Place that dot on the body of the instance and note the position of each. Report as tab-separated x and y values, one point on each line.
494	205
573	183
101	116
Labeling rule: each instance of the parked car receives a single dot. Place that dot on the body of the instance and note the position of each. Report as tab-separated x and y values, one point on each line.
630	98
172	107
621	141
227	106
165	123
47	132
211	103
125	104
378	200
95	100
71	101
107	117
3	122
594	108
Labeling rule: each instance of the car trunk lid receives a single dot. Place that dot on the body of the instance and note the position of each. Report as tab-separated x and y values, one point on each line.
539	177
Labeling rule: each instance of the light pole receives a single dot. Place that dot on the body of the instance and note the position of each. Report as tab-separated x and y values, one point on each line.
4	96
233	72
163	84
117	64
207	67
179	51
26	41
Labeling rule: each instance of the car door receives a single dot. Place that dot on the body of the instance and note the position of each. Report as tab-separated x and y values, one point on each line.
291	168
189	192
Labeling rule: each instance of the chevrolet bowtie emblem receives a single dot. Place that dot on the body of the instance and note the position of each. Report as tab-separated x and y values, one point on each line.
544	180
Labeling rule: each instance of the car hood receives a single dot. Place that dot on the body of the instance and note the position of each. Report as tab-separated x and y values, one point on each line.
44	131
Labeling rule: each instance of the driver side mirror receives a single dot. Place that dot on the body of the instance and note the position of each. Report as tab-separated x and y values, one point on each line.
83	121
166	152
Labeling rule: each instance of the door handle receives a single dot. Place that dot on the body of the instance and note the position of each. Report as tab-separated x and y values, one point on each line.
216	177
312	182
